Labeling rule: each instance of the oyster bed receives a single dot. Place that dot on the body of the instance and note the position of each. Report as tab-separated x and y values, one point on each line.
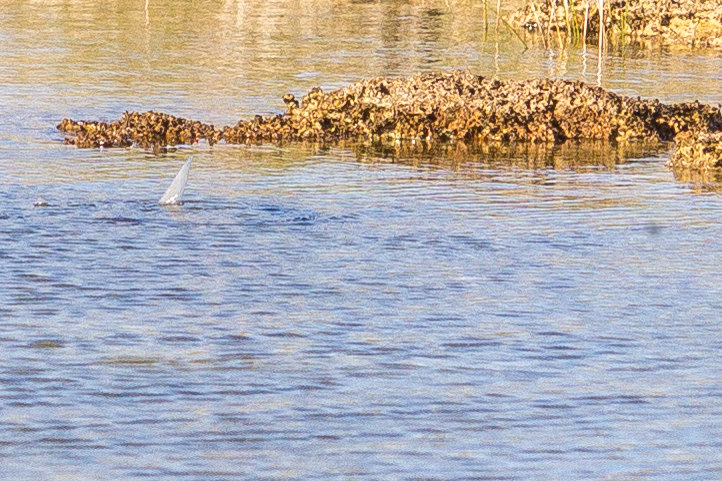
697	151
436	107
687	23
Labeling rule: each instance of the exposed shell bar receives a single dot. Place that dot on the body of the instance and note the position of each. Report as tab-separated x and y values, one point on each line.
434	107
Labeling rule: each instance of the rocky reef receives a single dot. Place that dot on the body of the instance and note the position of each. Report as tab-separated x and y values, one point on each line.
689	23
433	107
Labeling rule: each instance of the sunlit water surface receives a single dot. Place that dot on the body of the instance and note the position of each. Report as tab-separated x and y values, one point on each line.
339	312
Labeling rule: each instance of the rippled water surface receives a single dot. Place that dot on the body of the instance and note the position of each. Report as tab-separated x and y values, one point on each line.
342	312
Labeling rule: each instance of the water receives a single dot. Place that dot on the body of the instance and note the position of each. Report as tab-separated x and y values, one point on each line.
339	312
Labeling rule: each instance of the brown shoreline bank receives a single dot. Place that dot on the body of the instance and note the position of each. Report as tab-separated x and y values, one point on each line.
439	107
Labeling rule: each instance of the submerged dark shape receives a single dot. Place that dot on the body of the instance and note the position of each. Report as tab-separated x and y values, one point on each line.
431	107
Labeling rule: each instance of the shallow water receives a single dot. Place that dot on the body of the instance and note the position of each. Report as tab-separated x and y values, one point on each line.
341	313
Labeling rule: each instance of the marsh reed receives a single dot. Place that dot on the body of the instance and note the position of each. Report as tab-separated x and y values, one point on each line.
567	20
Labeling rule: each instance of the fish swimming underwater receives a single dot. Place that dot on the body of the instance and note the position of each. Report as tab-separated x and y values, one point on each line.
175	191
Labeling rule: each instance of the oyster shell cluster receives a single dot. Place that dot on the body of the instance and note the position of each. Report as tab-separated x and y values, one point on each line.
147	130
697	151
691	23
432	107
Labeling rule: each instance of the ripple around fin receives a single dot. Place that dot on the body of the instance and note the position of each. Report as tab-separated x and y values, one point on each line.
175	191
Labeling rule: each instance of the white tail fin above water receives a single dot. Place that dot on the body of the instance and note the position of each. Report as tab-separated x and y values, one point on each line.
175	191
